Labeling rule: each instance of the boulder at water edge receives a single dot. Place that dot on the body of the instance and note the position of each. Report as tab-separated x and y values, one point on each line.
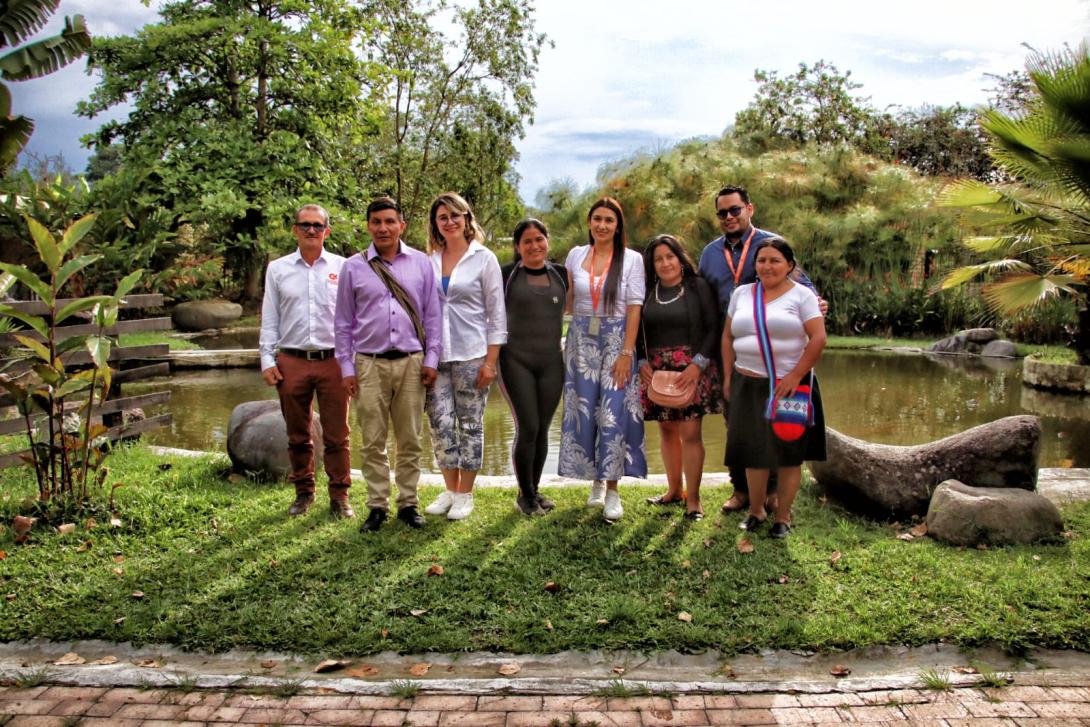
969	516
977	341
890	482
200	315
257	439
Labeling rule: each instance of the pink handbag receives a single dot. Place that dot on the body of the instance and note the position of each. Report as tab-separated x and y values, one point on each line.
665	390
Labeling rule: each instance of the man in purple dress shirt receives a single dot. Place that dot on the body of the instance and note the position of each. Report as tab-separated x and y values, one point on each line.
384	363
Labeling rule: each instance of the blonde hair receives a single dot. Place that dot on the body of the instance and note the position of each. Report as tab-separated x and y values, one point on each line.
454	203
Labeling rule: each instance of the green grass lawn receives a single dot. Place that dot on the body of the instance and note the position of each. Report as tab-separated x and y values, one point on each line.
220	565
149	338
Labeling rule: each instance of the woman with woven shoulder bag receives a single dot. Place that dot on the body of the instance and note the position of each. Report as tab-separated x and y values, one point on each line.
772	340
679	377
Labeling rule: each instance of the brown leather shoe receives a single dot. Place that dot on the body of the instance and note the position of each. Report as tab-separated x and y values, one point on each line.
302	503
340	508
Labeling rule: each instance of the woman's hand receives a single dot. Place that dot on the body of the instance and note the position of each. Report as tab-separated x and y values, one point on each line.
645	374
486	374
786	386
622	370
690	375
726	387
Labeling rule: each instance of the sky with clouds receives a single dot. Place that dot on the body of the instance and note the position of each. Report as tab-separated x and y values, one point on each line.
644	74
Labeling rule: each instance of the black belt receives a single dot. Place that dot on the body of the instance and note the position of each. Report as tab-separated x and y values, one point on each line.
391	355
319	355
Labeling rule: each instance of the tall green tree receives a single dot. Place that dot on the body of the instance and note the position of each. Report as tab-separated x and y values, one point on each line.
460	90
241	109
20	19
1039	248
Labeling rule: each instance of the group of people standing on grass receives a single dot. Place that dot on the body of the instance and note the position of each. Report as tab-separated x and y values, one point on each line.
403	333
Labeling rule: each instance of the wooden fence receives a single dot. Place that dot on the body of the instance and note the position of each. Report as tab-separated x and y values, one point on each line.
129	364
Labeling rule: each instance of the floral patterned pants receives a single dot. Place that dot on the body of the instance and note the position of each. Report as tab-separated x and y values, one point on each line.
456	415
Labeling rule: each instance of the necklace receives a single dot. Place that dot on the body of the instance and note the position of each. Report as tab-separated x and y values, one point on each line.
660	301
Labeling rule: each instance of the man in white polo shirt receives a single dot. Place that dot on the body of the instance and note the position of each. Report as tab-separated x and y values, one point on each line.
297	358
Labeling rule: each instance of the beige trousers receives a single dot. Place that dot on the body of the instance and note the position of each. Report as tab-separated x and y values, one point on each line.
390	390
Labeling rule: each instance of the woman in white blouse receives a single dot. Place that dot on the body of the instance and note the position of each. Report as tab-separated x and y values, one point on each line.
602	430
474	329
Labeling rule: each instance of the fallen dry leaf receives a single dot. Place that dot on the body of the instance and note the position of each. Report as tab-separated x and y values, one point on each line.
104	661
118	571
435	570
685	616
418	611
906	536
686	564
70	659
548	625
385	633
22	524
330	665
618	670
964	669
728	671
840	670
509	669
1036	557
784	579
138	595
602	621
235	477
119	559
551	587
20	539
90	524
666	715
982	546
706	574
115	522
9	597
920	530
66	528
745	545
707	542
3	554
85	546
363	671
120	620
834	557
1069	534
268	664
419	670
148	663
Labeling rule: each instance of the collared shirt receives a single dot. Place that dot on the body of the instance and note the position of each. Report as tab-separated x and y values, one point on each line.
630	288
713	265
370	320
299	303
474	314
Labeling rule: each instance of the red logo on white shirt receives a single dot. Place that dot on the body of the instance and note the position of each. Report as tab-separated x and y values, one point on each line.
333	278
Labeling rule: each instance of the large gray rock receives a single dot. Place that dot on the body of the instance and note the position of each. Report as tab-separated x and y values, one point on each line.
980	335
892	482
257	439
960	514
200	315
999	349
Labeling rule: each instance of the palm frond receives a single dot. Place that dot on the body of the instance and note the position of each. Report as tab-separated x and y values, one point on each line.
1019	291
962	275
20	19
15	132
49	54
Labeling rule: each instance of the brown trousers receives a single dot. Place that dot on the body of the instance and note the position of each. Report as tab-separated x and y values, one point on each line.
303	380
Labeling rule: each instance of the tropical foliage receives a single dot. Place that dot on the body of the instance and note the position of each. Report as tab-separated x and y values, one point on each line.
19	20
1038	248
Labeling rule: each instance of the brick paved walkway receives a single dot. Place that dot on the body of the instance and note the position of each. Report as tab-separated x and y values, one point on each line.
61	706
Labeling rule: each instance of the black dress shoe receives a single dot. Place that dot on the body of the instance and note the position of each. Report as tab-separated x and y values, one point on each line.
411	517
780	530
374	521
301	505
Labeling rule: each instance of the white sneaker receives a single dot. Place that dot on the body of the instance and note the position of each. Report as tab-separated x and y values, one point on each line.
463	505
441	504
597	494
613	509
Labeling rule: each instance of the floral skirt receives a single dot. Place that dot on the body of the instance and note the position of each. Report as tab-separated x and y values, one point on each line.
706	400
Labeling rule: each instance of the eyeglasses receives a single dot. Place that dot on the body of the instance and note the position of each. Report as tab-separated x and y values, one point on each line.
446	219
734	211
311	226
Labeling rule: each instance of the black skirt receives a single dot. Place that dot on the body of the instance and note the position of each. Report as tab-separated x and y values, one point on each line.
750	440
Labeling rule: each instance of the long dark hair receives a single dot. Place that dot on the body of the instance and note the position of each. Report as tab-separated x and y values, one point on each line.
522	227
688	270
616	267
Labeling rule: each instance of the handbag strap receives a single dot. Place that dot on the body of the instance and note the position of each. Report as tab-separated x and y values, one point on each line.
764	343
400	295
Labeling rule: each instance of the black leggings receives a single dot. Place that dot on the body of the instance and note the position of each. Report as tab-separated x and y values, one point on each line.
533	385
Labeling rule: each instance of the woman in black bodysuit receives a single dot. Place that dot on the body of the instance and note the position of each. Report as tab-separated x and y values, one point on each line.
531	363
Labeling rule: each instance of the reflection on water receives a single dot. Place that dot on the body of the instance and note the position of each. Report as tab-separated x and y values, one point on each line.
881	397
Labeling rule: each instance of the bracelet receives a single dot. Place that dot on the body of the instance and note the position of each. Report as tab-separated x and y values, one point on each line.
701	361
627	352
488	366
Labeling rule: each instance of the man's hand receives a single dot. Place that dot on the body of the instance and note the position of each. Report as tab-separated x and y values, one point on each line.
428	375
349	383
272	376
823	305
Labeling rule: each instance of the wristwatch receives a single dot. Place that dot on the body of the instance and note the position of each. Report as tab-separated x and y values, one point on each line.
701	361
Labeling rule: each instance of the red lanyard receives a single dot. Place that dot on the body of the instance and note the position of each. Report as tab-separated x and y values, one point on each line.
742	260
596	292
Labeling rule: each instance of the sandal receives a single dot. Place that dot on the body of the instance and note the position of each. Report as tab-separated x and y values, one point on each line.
694	516
752	523
733	505
661	500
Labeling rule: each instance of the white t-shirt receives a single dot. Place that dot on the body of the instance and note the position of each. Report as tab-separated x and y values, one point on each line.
784	318
630	288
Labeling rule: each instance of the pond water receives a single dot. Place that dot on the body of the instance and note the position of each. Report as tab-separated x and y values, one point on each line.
880	397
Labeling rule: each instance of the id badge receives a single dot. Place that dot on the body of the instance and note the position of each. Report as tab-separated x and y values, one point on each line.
594	326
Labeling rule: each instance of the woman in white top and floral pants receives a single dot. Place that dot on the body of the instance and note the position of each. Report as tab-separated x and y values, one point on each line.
474	329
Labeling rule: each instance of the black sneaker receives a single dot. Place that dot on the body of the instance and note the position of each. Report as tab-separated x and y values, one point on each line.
411	517
528	505
374	521
780	530
545	503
